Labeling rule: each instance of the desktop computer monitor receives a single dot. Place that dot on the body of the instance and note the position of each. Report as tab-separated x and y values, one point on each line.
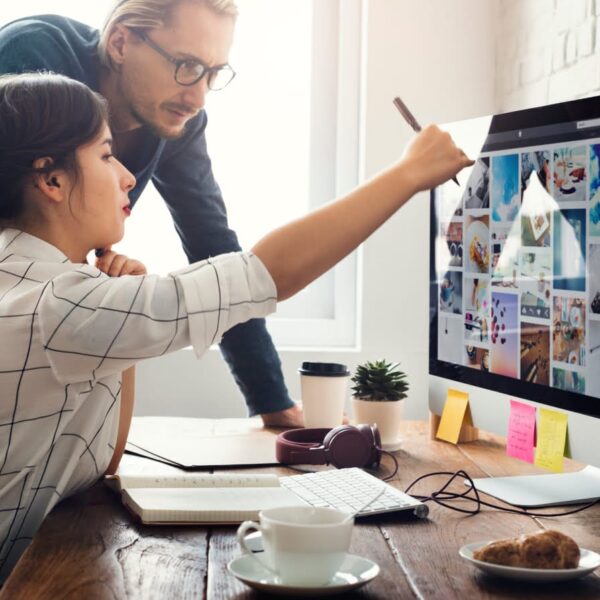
515	271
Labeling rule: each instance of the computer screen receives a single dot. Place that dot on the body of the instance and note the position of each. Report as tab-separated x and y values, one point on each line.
515	258
515	269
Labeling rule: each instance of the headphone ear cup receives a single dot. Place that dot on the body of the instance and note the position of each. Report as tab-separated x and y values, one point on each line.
347	446
371	434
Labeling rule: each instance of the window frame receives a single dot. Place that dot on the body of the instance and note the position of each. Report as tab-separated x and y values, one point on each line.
335	160
334	170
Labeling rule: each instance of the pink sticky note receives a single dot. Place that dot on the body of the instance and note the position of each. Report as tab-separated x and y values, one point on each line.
520	439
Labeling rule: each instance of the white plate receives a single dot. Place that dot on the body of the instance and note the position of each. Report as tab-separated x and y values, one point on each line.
588	562
354	572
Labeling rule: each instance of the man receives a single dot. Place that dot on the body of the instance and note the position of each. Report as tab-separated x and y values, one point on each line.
155	61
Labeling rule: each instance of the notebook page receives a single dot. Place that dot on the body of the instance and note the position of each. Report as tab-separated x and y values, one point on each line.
205	505
193	480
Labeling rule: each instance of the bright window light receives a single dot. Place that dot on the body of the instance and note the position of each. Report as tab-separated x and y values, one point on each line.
272	137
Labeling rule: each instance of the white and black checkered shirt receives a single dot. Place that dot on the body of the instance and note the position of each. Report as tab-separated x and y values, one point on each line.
67	331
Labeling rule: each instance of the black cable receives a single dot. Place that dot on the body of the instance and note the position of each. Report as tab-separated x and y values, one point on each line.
442	495
395	464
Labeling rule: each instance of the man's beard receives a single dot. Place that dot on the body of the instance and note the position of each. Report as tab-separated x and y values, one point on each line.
156	130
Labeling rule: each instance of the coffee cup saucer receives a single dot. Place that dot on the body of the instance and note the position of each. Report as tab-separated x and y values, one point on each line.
354	572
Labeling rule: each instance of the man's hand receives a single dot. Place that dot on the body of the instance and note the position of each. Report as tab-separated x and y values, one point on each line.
292	417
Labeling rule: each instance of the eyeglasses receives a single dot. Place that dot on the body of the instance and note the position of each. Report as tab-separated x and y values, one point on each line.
191	71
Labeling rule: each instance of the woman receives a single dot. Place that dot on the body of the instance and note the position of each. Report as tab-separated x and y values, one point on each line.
68	329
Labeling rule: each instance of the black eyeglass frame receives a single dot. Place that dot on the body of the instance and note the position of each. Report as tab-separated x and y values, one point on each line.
179	62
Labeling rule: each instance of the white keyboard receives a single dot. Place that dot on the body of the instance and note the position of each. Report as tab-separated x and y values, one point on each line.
352	490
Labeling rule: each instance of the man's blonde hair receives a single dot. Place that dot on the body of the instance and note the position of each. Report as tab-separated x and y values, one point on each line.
150	14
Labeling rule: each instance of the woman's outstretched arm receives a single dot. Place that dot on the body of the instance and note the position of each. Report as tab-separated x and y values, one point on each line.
302	250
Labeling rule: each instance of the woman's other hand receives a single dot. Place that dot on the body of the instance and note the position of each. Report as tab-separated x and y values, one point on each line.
116	265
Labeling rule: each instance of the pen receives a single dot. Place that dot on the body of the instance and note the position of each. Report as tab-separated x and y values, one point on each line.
410	119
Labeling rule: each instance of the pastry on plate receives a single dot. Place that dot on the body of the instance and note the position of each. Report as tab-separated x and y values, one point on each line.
540	550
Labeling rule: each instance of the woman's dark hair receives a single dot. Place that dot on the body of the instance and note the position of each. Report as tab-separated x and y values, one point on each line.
42	115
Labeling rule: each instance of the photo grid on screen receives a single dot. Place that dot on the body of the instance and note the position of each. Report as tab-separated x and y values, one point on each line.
518	266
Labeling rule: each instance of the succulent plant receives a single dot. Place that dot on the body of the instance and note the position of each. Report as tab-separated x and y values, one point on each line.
379	381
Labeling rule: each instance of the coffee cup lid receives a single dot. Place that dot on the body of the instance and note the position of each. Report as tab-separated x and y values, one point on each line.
319	369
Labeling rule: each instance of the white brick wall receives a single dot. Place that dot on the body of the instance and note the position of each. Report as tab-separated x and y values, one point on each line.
546	51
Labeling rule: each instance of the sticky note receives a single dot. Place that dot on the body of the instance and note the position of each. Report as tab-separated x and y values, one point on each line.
551	438
455	410
520	439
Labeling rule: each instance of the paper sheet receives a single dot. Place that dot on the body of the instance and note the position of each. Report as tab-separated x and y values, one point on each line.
203	443
551	438
520	439
456	411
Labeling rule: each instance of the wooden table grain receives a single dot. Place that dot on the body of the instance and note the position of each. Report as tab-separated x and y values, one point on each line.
89	547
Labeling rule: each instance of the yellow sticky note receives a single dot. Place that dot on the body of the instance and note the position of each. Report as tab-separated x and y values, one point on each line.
551	438
453	416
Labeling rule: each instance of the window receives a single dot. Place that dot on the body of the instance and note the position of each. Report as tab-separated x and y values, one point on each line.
283	139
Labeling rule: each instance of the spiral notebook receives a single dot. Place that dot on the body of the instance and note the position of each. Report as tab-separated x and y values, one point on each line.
200	499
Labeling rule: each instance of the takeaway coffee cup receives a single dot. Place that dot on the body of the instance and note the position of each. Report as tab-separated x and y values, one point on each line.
304	545
324	389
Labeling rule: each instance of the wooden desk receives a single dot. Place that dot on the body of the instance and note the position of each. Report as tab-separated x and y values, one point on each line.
89	547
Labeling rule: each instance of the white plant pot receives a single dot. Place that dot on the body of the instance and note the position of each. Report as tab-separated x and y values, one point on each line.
386	415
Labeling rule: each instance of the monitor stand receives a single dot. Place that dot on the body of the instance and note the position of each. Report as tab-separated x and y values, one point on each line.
554	489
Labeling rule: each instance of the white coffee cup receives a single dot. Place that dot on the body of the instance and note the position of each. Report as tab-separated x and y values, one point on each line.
304	545
324	390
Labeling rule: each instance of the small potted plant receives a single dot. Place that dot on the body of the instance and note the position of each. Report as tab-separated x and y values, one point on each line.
378	389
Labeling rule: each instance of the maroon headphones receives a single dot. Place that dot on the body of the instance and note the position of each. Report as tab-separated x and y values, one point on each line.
344	446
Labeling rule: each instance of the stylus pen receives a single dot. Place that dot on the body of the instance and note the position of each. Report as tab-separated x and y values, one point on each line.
410	119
